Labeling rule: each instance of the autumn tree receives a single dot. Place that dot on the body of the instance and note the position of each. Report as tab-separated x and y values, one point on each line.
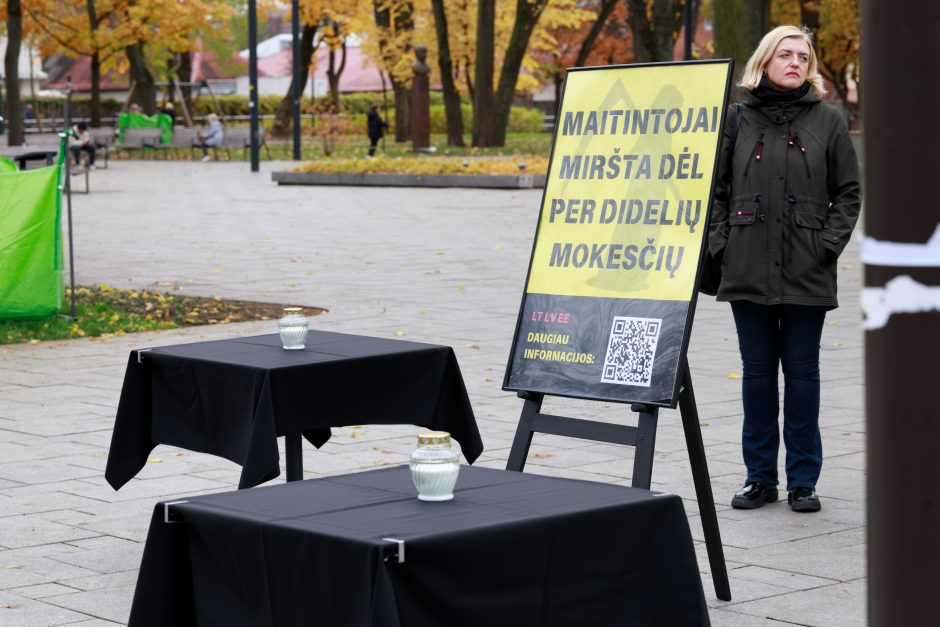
393	46
604	39
151	30
283	116
836	30
77	28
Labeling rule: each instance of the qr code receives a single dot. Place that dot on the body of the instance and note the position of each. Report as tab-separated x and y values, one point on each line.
631	350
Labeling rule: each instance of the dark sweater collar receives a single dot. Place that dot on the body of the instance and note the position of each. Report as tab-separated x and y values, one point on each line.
767	92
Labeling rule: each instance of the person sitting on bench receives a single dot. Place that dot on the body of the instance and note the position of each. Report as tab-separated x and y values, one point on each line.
80	142
211	138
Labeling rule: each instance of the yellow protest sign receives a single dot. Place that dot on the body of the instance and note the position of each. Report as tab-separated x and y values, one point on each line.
621	229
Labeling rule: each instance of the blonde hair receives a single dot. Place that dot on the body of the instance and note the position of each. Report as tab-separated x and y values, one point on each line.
212	117
765	51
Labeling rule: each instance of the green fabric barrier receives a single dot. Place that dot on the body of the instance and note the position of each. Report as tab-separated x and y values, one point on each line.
139	120
7	165
31	284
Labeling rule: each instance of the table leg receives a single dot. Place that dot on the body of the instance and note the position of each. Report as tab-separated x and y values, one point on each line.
295	456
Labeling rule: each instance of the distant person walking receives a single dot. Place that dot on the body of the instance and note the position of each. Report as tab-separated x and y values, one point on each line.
376	128
212	137
786	202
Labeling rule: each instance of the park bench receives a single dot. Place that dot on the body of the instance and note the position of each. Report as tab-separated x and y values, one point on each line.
239	139
38	149
183	139
139	139
104	139
41	150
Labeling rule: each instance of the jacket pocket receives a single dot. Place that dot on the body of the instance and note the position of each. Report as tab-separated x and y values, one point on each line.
808	235
809	270
744	212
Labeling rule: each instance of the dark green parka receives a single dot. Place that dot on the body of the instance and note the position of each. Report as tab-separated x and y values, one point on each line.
786	202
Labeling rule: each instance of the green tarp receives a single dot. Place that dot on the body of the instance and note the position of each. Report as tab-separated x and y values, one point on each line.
139	120
31	243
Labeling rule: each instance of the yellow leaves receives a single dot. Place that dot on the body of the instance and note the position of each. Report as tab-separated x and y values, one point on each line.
534	164
734	375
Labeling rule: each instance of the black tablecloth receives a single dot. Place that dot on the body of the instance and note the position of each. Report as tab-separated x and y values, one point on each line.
233	398
511	549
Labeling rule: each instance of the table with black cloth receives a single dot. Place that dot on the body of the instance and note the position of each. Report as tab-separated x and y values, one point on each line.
511	549
233	398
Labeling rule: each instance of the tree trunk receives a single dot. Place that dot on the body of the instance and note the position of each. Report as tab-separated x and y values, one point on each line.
527	16
333	73
483	103
283	118
739	26
184	74
11	70
95	90
402	102
95	67
809	15
654	41
451	97
607	7
145	91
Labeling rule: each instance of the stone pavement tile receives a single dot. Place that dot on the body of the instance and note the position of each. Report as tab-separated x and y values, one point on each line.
95	622
17	532
780	578
100	582
111	604
21	611
109	559
72	421
157	489
42	590
19	446
851	461
36	471
125	521
727	617
26	500
839	556
770	525
99	542
843	483
836	605
33	566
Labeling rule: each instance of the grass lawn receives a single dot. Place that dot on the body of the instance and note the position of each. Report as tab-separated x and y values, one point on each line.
103	311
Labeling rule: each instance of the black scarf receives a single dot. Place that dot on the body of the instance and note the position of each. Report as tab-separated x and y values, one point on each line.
768	93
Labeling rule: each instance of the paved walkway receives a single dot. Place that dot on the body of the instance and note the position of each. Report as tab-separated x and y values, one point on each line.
444	266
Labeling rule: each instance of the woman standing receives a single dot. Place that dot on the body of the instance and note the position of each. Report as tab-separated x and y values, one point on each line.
786	203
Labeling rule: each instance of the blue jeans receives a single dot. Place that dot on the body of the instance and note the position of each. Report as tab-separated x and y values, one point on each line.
769	335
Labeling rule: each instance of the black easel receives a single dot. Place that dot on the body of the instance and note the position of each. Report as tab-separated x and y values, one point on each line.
643	437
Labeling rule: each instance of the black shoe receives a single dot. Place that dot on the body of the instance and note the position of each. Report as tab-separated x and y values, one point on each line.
754	495
803	500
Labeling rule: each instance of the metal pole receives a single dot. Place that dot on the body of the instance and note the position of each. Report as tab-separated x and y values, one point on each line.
689	28
903	422
67	114
295	80
253	81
